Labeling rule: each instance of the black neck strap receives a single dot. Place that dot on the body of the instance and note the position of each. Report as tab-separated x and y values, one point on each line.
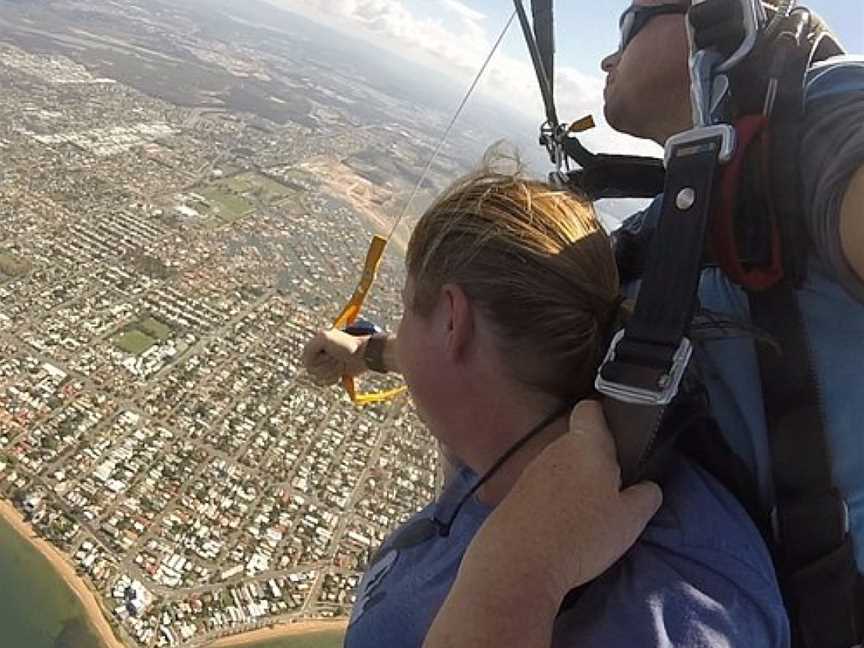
443	527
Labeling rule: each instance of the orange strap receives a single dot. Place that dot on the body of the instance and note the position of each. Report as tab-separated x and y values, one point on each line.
352	310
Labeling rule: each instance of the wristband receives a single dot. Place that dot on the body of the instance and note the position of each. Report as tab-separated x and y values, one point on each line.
373	354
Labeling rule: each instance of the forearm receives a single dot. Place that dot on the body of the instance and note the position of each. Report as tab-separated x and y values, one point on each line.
852	223
489	608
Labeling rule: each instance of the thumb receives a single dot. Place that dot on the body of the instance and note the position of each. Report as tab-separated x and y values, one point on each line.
640	503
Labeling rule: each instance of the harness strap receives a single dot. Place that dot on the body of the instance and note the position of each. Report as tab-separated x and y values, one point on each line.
810	521
725	246
646	362
613	176
813	547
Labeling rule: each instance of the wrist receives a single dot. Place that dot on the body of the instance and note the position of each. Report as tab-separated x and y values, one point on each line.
372	352
525	585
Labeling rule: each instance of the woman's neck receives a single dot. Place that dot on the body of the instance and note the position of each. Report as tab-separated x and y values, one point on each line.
503	479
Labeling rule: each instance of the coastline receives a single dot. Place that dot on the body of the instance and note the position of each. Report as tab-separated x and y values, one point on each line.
94	612
279	631
66	571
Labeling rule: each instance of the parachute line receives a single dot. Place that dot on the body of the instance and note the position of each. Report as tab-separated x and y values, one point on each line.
452	123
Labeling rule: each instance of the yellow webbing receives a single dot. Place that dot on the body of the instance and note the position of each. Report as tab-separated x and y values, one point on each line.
376	249
352	310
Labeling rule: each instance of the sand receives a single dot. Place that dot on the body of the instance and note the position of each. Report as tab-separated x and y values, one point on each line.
66	571
278	632
93	610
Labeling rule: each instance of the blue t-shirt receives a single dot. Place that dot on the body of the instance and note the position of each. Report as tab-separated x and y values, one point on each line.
831	300
699	576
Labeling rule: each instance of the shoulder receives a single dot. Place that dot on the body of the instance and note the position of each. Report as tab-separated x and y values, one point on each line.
630	242
699	576
700	519
840	75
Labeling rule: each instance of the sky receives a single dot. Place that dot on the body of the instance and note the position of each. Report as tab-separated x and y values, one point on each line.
454	37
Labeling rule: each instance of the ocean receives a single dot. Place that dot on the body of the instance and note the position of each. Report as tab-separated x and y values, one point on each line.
37	609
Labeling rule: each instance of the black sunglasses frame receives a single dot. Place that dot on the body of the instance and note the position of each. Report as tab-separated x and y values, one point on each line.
641	16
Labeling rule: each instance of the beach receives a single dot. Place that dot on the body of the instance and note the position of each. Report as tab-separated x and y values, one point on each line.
96	619
281	631
66	571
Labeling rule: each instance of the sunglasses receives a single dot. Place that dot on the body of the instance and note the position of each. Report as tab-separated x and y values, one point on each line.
637	16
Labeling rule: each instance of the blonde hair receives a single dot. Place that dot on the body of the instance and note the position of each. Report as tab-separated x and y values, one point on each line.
537	263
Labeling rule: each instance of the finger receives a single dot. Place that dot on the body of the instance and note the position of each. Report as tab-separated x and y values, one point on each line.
326	379
327	373
313	348
588	422
641	502
324	363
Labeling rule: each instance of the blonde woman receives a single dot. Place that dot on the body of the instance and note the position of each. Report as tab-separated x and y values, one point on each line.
510	298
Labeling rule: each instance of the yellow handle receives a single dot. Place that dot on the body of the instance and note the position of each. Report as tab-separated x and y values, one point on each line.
582	125
352	310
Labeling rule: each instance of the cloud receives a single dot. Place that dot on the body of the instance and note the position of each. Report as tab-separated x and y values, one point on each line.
464	10
454	38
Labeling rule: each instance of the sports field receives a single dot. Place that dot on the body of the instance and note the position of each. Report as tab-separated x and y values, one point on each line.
134	341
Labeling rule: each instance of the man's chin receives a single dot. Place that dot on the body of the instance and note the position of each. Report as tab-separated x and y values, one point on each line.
614	117
624	121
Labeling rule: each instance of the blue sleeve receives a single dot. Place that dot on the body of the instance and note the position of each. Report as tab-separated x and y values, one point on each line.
699	576
832	150
656	598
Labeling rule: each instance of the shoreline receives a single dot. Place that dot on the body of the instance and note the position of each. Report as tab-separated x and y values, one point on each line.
96	618
64	569
278	631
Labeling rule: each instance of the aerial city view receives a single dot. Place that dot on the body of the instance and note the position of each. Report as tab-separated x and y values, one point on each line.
187	193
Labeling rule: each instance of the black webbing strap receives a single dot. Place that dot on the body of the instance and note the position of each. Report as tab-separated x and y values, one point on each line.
613	176
648	354
814	550
544	33
813	547
537	58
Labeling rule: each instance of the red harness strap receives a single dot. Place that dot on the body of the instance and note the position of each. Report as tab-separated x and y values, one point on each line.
723	243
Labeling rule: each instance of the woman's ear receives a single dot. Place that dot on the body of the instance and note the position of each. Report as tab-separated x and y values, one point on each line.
458	319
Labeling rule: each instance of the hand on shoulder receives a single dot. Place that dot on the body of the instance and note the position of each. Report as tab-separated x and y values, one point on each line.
563	523
567	519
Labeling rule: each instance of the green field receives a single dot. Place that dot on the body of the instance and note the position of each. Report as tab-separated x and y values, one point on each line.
154	328
226	205
232	198
134	342
257	186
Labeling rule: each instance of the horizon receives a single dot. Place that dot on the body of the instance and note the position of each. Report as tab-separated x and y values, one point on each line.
459	34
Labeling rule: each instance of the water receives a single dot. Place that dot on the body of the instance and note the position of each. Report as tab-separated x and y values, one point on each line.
37	609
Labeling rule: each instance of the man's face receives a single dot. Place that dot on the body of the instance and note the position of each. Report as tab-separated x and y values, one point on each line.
648	84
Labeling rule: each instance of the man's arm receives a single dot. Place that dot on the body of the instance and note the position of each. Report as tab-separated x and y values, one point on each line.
832	157
852	223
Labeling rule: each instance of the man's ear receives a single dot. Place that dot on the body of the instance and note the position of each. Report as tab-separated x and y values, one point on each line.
459	319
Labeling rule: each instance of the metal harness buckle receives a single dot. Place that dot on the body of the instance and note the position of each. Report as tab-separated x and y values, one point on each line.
669	383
